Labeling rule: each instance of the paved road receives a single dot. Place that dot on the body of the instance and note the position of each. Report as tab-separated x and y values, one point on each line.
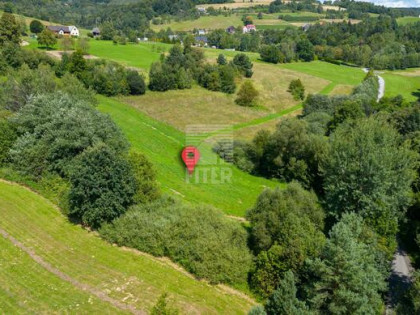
400	278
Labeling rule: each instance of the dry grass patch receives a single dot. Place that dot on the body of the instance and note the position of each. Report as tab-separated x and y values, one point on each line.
273	83
204	22
408	73
342	89
180	108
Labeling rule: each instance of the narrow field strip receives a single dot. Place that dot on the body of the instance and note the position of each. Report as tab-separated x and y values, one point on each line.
84	287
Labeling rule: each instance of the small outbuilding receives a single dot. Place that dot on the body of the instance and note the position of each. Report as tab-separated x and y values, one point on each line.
96	32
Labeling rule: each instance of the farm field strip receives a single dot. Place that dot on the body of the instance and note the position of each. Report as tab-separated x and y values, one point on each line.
134	279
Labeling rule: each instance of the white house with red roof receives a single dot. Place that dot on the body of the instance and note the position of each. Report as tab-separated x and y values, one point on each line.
249	28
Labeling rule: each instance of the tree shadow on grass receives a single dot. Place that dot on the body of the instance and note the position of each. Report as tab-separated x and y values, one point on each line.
46	48
416	94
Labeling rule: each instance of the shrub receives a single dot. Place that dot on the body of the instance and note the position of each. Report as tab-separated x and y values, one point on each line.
227	79
221	60
47	38
297	89
270	53
243	64
201	239
22	85
145	175
136	83
102	186
7	138
247	94
36	27
54	129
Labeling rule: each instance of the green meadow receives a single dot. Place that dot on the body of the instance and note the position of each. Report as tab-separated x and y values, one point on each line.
407	20
336	74
61	268
163	144
140	55
403	83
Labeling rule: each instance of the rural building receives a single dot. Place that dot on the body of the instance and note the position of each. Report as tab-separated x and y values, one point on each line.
64	30
306	27
96	32
231	30
201	41
173	37
249	28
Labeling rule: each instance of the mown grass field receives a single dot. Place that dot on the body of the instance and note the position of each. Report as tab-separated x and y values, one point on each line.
404	83
408	20
79	258
140	55
162	144
338	75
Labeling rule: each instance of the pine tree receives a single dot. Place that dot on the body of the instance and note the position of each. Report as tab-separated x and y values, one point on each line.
283	301
346	279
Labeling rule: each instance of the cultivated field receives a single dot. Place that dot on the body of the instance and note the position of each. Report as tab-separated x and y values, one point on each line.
162	144
204	22
49	265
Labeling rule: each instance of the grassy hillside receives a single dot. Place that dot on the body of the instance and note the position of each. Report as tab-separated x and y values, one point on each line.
402	82
223	22
65	258
205	22
141	55
339	75
162	144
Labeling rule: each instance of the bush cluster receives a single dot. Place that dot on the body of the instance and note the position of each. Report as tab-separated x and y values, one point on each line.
199	238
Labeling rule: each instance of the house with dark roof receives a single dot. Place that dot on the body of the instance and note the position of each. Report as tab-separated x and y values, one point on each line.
231	30
201	40
96	32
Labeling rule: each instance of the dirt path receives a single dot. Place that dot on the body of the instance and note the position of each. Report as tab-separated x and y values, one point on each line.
84	287
381	81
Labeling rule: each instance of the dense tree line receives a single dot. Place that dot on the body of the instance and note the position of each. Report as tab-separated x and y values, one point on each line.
360	157
183	66
376	42
50	129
